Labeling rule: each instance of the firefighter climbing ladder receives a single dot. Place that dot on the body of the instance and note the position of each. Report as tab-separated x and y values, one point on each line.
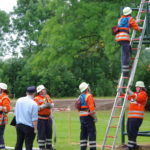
124	84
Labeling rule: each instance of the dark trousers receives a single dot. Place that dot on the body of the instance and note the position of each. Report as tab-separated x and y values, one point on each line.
2	128
24	133
133	125
45	133
125	56
88	131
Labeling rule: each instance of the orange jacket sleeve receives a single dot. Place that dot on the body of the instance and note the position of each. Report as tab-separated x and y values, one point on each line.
133	24
91	104
140	97
6	105
36	100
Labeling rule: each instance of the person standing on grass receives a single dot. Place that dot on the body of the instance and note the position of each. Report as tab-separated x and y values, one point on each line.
87	117
4	109
45	104
26	113
138	101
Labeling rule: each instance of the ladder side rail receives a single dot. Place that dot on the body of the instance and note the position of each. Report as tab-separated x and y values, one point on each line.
137	18
112	112
120	120
130	82
138	54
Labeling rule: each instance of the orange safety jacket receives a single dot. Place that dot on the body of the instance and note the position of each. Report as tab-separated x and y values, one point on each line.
87	104
4	108
137	104
124	24
46	112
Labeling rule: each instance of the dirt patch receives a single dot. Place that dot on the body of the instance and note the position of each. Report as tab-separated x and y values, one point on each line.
140	147
101	104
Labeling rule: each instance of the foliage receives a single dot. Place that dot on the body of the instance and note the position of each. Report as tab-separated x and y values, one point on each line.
64	43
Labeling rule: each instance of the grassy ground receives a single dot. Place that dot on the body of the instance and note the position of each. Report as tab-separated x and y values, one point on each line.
68	130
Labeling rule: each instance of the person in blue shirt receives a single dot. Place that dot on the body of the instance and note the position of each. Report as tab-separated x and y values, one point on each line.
26	113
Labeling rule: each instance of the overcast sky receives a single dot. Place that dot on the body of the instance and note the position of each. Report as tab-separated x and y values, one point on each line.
7	5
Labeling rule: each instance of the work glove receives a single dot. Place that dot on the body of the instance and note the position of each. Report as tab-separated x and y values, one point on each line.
42	106
129	92
35	131
49	105
95	118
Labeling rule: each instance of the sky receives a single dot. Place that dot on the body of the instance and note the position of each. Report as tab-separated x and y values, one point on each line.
7	5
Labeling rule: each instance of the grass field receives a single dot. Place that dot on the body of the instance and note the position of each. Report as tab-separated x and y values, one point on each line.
68	130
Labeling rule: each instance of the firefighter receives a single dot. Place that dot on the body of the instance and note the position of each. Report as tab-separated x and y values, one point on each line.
122	37
45	104
138	101
4	109
87	117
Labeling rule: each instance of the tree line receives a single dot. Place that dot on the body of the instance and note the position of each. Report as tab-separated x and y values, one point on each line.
62	43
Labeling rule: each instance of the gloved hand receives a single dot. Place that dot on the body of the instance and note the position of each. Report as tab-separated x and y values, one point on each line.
42	106
129	92
95	118
35	131
49	105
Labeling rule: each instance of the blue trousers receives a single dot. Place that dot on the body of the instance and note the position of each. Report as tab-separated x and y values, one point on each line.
125	56
2	128
45	133
133	125
88	131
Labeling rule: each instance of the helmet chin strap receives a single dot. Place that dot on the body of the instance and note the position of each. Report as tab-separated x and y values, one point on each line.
1	91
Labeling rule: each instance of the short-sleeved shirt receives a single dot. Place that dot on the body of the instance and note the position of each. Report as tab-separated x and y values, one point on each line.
26	111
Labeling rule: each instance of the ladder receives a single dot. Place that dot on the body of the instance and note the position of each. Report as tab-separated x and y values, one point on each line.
124	84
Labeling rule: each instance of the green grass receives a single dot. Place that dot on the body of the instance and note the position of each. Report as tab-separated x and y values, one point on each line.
68	130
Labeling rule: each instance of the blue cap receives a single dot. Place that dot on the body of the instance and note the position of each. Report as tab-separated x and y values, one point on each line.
31	89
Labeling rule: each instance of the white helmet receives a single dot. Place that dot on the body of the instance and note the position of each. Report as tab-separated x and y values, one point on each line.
3	86
83	86
140	84
127	11
40	88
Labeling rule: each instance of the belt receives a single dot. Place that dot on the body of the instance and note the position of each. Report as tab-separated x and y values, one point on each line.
43	115
84	109
121	30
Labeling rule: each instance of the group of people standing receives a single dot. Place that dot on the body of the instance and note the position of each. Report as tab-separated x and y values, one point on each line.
32	115
88	117
33	112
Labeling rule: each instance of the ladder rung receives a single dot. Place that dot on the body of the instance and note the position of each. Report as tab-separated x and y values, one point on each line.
134	48
140	20
110	136
115	117
136	39
146	2
108	146
113	126
143	11
118	106
120	96
132	58
143	42
125	77
123	87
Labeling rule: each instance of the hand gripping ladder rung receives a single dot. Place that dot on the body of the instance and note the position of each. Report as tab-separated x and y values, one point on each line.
121	84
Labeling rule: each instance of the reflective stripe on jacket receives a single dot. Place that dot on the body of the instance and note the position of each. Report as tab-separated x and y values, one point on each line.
87	104
44	113
137	104
4	108
124	24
